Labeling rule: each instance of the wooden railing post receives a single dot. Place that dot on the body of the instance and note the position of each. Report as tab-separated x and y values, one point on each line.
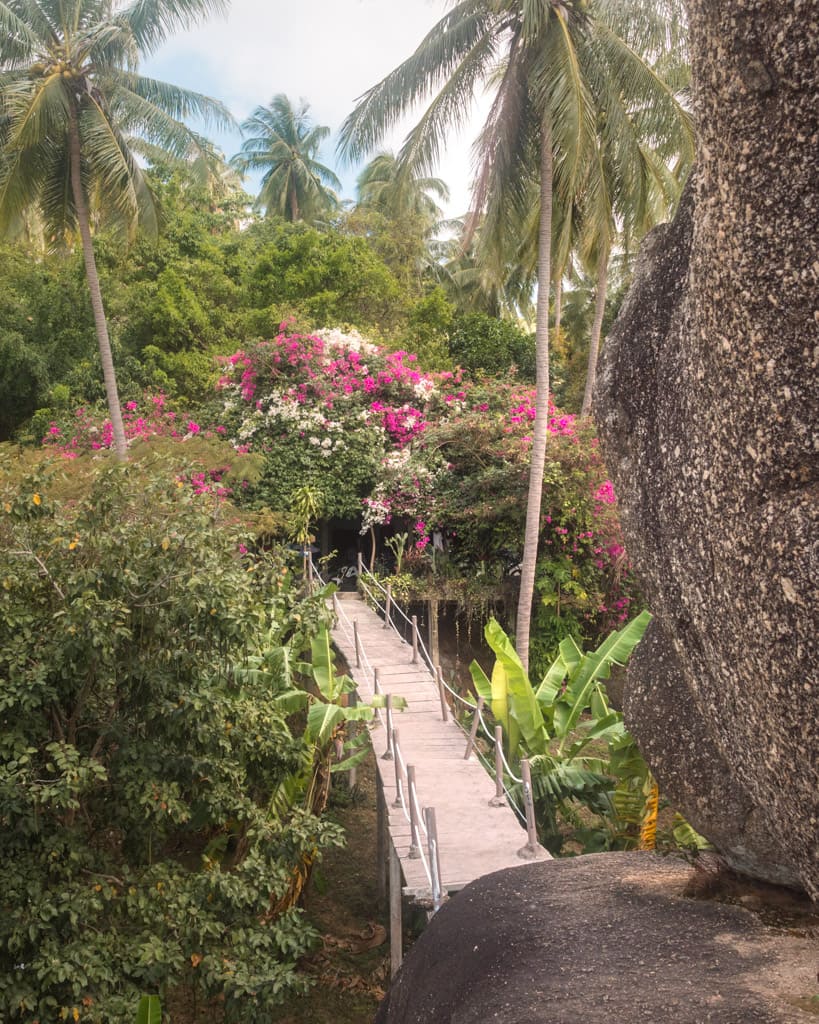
532	850
439	675
388	753
415	846
399	782
388	611
359	564
438	894
499	799
415	639
357	644
382	841
335	605
473	732
376	683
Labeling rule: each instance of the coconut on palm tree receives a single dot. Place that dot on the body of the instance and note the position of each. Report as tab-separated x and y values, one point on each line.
74	112
283	141
561	72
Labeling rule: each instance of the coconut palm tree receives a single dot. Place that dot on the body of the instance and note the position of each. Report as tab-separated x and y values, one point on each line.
562	71
283	142
385	187
73	109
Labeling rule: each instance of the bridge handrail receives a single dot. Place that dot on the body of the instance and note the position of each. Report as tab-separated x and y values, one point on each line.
522	813
364	576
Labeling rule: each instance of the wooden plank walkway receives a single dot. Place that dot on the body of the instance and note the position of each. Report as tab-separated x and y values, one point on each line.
474	836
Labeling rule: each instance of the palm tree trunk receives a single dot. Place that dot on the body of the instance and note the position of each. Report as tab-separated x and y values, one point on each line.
540	432
597	326
558	305
114	411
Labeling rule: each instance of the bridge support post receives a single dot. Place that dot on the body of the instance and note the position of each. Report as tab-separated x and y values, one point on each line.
357	642
381	840
388	608
499	799
532	850
439	676
434	649
473	732
396	917
415	639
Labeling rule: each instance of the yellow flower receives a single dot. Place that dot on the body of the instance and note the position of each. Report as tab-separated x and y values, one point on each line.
37	499
7	506
73	543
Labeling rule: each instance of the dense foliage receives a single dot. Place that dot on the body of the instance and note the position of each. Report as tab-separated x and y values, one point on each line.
141	847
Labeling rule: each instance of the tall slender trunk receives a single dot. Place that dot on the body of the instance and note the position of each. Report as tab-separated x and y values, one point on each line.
597	327
558	305
540	432
294	205
107	360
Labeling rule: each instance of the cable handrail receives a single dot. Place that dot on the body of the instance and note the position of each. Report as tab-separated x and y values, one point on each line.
503	779
363	577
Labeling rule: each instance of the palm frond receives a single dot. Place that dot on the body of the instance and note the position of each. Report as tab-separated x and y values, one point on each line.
152	21
462	31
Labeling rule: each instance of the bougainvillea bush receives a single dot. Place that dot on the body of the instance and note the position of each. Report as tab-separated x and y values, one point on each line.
326	410
139	851
461	489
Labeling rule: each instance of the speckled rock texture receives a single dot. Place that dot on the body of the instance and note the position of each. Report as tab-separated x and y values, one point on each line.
604	939
706	405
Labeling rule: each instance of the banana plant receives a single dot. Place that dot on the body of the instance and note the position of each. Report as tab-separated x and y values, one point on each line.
554	724
326	699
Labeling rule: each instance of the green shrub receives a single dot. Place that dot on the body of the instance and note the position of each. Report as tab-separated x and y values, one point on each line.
138	761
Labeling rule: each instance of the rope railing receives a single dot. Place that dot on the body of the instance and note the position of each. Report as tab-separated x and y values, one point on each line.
368	581
405	782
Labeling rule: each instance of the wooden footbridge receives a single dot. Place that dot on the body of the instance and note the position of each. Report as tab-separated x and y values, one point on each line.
444	820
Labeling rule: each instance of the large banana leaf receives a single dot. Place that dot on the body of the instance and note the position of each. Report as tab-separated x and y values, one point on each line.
323	719
509	677
149	1010
322	666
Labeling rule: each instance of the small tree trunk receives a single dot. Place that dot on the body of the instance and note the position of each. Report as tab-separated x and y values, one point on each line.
540	432
111	392
597	327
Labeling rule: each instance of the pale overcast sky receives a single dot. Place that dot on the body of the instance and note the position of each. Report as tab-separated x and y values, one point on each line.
327	51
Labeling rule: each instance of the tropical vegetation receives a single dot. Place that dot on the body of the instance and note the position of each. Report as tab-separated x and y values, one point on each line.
74	116
291	366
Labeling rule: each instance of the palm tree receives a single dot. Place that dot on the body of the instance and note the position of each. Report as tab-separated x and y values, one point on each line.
284	142
385	187
73	110
561	73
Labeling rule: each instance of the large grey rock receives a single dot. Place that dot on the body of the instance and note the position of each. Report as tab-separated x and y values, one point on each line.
605	939
707	410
